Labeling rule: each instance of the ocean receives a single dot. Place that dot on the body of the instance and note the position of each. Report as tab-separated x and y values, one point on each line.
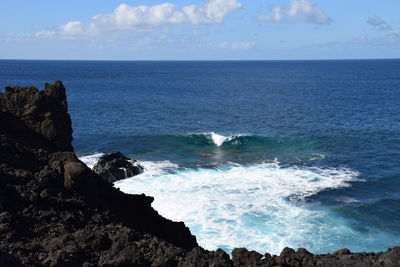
256	154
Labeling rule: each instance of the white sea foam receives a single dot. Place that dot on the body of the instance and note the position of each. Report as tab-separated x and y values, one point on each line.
218	139
90	160
151	168
258	206
156	168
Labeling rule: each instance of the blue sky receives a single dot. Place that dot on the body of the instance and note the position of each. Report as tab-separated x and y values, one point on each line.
199	30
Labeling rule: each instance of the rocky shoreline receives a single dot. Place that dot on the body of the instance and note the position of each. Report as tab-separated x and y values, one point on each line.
55	211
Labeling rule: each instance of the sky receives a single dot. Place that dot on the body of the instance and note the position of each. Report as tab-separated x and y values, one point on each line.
199	29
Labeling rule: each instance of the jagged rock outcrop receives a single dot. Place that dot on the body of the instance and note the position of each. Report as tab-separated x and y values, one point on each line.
55	211
48	196
44	112
116	166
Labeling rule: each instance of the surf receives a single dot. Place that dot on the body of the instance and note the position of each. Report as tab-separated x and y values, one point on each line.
260	206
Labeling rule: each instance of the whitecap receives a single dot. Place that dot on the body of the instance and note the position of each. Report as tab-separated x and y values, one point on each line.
219	139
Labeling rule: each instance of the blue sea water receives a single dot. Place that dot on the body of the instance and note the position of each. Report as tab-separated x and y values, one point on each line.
261	154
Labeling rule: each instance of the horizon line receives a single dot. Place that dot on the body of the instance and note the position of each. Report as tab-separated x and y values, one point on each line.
200	60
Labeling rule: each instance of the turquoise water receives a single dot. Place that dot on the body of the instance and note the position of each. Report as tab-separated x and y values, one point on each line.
262	154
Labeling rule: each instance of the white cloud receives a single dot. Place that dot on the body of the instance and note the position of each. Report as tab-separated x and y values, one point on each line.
297	11
210	12
45	34
243	45
128	17
72	28
377	21
232	45
142	18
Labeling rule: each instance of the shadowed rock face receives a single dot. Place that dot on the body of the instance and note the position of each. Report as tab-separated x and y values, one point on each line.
48	198
44	112
116	166
55	211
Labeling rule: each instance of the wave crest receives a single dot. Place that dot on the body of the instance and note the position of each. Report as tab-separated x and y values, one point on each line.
219	139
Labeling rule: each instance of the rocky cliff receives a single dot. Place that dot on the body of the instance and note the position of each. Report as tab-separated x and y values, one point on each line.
55	211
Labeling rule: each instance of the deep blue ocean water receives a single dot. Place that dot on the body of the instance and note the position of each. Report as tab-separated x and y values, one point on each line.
262	154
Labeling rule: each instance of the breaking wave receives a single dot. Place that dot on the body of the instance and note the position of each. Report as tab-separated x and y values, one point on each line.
260	206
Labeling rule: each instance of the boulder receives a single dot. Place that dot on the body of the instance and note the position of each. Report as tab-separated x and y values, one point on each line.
116	166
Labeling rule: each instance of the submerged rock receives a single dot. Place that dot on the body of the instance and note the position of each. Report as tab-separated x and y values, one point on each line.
116	166
55	211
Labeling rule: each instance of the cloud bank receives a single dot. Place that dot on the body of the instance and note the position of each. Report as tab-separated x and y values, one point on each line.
296	11
141	18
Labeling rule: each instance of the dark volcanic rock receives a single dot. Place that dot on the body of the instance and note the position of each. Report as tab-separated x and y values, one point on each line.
44	112
53	208
116	166
55	211
243	257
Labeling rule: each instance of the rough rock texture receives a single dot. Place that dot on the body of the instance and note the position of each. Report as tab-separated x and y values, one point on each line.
303	258
116	166
55	211
44	112
53	208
